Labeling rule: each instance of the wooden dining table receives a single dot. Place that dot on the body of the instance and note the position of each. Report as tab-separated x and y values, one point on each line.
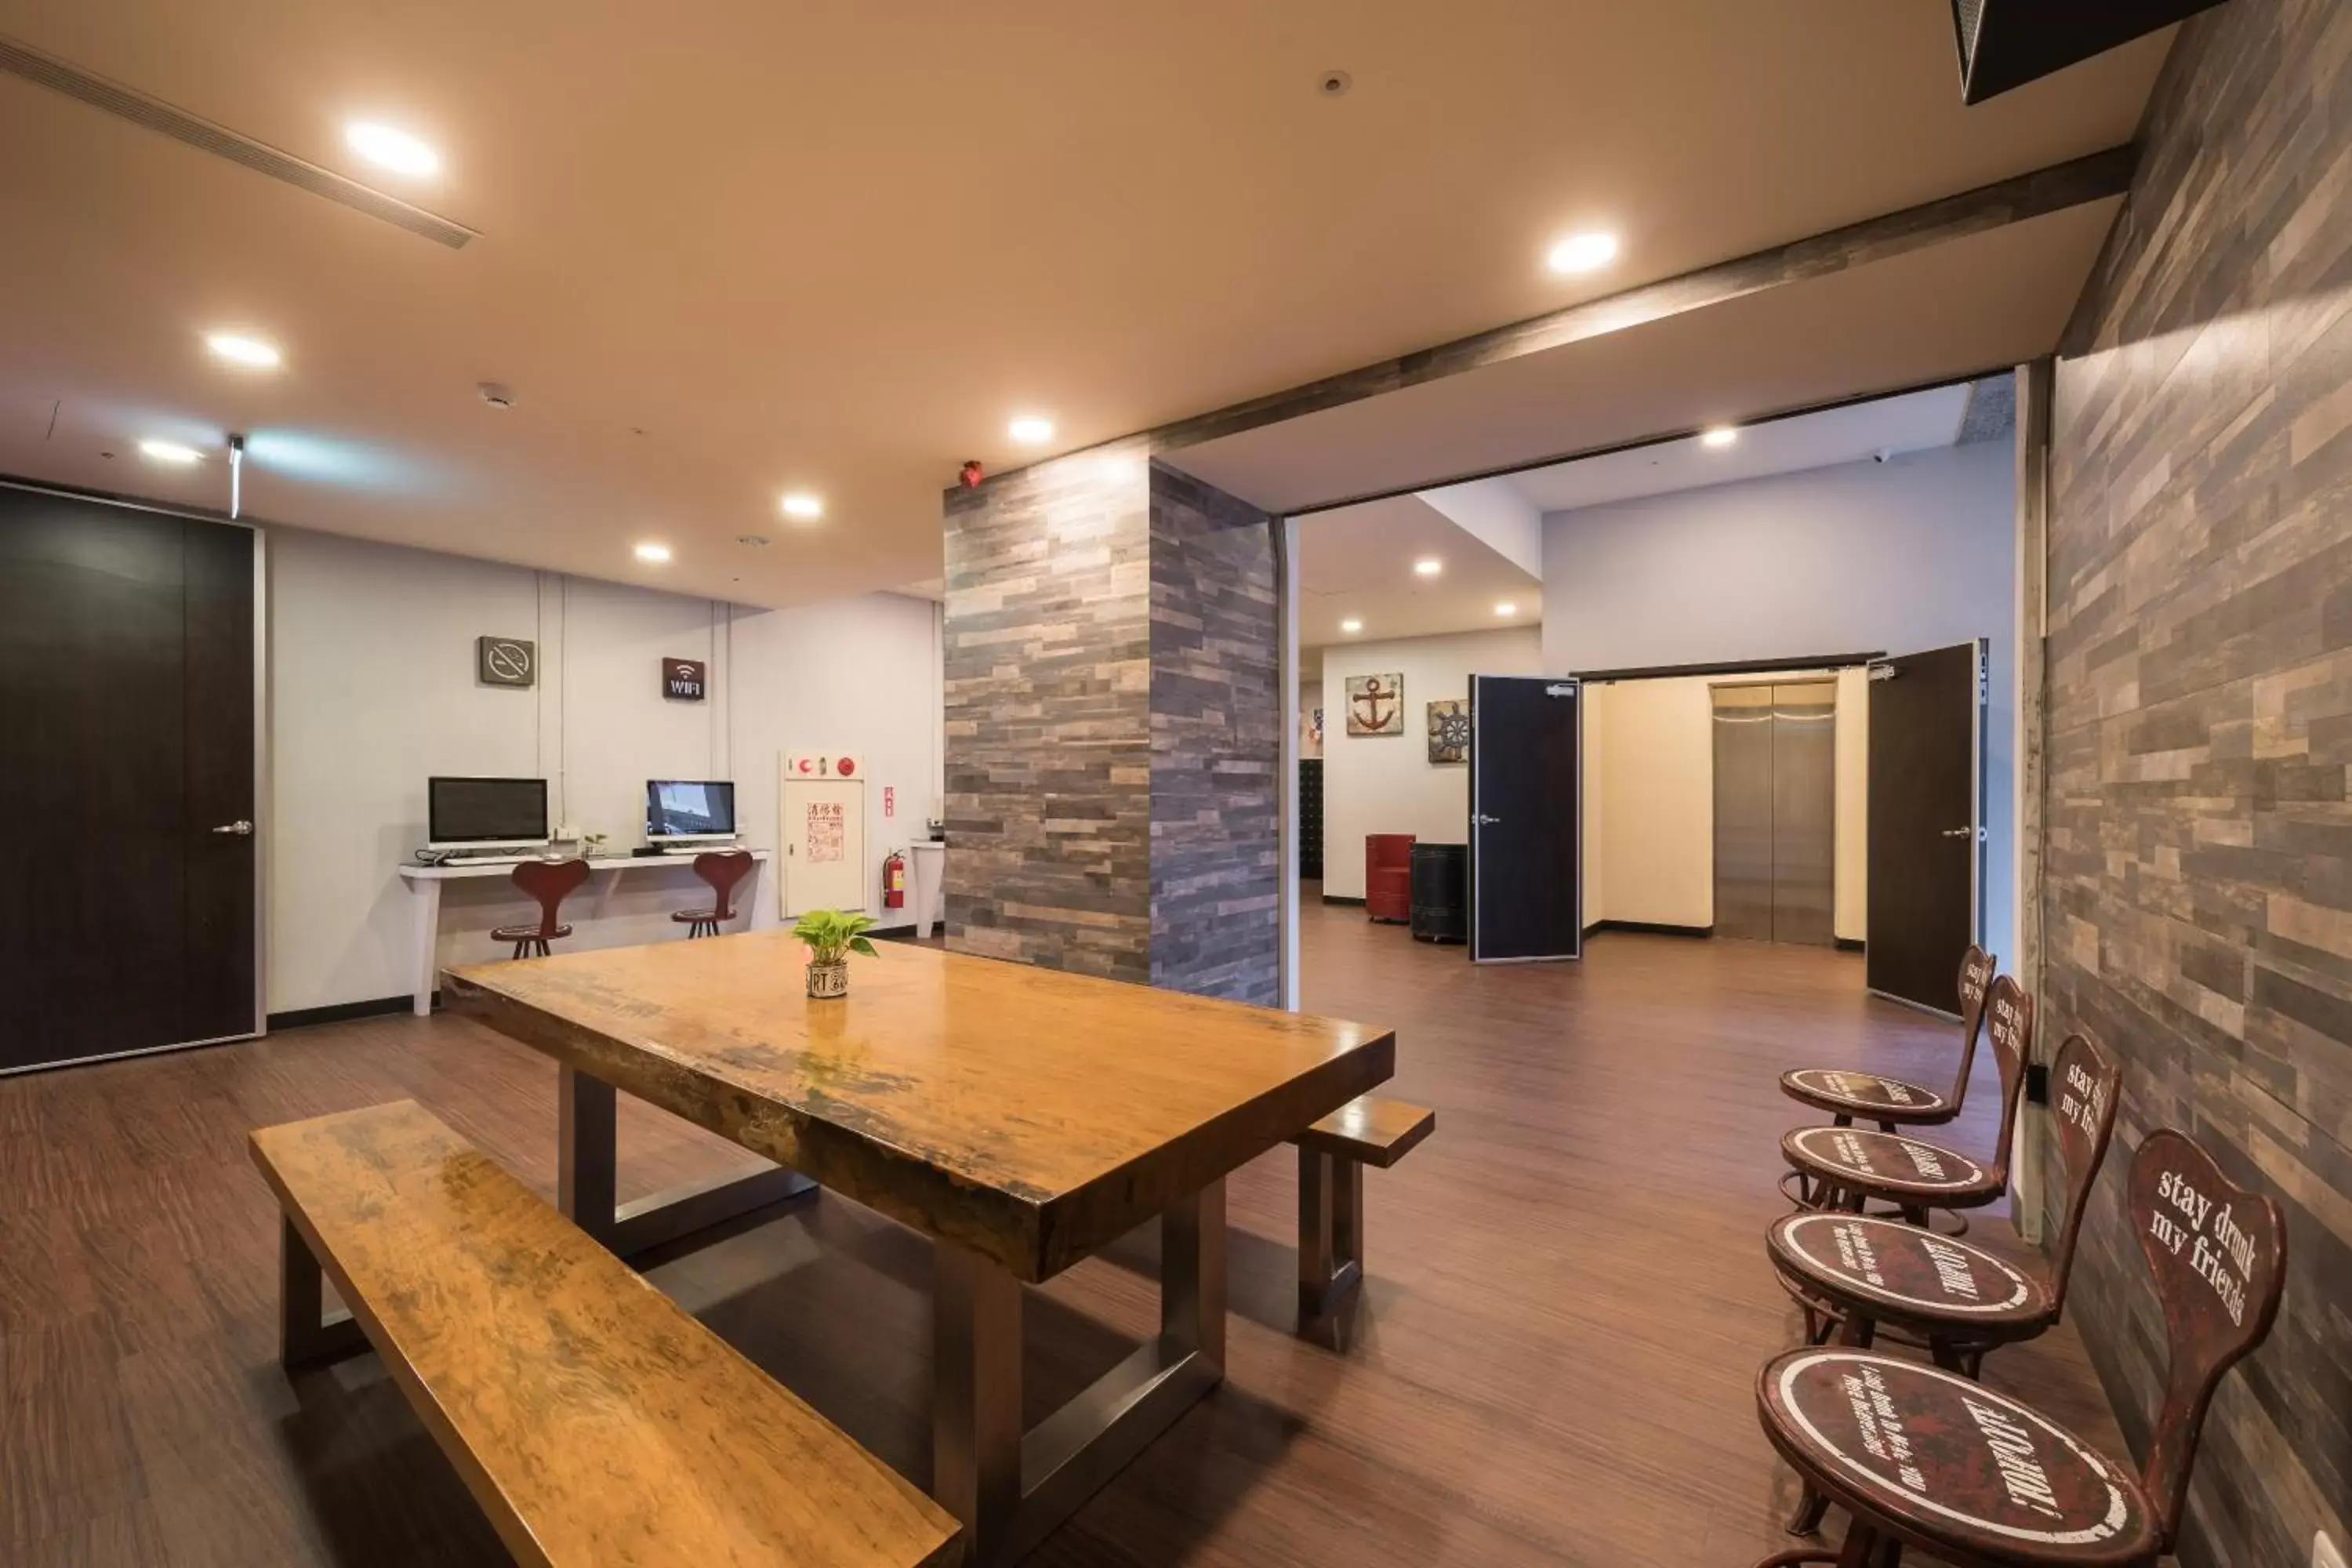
1021	1118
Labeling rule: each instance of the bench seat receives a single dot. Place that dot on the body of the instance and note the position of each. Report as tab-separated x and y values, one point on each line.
594	1420
1332	1154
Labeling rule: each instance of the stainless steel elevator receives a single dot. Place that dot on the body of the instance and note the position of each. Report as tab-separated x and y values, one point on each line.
1776	810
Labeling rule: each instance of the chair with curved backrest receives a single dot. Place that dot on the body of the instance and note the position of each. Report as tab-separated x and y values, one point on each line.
1388	877
1921	1456
1853	1272
1842	1167
1845	1093
722	868
549	882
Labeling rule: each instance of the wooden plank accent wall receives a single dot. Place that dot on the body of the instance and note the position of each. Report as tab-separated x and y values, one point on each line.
2200	712
1113	716
1216	754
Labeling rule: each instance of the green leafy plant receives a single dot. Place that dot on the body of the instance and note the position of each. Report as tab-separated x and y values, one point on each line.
831	936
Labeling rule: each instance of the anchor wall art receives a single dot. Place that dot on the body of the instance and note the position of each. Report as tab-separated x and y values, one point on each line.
1376	704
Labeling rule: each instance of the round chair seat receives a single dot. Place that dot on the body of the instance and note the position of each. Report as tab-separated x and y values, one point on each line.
1889	1270
1973	1473
1842	1092
1890	1166
695	916
527	934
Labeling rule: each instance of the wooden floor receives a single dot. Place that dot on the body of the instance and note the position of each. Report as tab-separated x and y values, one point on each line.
1553	1364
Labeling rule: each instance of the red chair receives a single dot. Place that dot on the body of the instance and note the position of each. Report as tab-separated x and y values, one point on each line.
722	869
1388	877
548	881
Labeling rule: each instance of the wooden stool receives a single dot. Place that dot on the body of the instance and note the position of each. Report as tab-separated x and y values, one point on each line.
1891	1102
548	881
1852	1273
722	868
1332	1154
1842	1167
1921	1456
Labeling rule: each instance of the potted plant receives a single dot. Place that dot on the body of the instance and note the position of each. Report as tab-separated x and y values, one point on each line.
831	936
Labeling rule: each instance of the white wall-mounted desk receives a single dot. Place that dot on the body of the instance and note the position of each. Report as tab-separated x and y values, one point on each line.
752	907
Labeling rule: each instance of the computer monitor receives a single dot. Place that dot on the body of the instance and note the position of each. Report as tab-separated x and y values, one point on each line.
484	814
686	810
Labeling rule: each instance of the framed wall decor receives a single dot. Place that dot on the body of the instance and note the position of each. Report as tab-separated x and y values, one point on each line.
1376	704
1449	731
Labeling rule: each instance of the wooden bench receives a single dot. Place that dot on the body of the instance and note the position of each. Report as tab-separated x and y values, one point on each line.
593	1418
1332	1154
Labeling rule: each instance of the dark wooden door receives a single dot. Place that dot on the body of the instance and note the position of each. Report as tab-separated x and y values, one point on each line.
127	921
1924	856
1527	883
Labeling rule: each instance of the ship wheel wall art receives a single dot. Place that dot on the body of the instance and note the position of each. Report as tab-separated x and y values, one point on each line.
1376	704
1449	731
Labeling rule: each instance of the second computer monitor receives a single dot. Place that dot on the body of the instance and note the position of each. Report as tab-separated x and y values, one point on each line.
680	810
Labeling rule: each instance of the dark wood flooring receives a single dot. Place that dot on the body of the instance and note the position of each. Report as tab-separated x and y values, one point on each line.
1552	1365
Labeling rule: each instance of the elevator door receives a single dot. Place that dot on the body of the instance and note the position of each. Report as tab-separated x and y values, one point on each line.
1776	810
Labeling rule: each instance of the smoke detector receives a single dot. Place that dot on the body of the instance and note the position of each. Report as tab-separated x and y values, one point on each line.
495	395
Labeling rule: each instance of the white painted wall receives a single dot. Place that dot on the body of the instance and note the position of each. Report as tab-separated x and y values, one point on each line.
373	689
1386	783
1910	555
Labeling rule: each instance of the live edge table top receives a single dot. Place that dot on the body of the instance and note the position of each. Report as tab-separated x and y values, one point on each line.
1029	1115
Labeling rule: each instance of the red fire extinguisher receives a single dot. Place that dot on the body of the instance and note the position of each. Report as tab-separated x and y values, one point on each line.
894	881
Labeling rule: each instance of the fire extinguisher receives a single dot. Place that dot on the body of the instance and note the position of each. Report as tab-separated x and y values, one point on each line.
894	881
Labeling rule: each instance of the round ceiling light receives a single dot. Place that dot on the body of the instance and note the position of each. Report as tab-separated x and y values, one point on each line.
1507	609
1583	253
1428	566
157	450
1031	430
800	503
1721	436
239	349
390	148
653	552
1351	625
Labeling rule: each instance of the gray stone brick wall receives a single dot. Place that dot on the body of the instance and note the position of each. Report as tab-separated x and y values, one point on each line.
2200	856
1112	723
1216	707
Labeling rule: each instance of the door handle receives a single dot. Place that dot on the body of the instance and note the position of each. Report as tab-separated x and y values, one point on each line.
240	828
1956	833
1480	819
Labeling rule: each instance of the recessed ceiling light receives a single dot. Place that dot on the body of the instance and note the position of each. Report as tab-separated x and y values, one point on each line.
1030	431
1507	608
1583	253
657	553
1428	566
241	350
1721	436
800	503
1351	625
388	148
161	451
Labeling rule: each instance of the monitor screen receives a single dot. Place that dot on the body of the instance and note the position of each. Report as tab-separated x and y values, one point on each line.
486	811
690	808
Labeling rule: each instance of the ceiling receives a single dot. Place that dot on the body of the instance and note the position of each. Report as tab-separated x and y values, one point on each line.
1910	422
735	249
1358	563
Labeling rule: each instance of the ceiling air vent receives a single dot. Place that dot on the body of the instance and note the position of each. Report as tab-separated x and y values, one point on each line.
18	59
2008	43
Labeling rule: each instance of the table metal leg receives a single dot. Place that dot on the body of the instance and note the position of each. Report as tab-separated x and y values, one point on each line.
1009	1488
1330	1233
588	1173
